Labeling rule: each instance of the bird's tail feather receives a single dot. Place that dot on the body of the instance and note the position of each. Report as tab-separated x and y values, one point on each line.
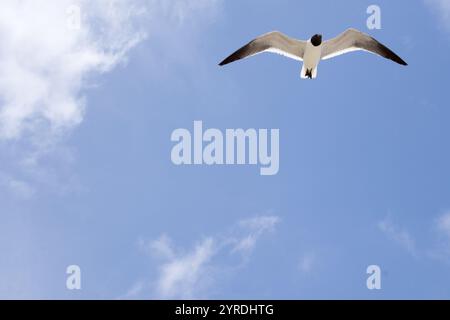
308	73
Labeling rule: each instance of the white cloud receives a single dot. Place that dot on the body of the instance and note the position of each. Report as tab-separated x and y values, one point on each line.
307	263
443	224
161	247
134	291
398	235
189	274
184	276
438	249
21	188
441	249
182	10
44	62
442	9
16	187
46	65
256	227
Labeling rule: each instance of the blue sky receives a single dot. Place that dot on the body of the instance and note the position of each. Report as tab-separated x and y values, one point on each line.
86	176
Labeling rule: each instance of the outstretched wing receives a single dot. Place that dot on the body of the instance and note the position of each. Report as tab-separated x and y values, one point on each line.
353	40
275	42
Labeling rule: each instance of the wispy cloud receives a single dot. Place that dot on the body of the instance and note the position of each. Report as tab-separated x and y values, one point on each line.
399	235
443	224
51	52
255	228
18	188
442	9
441	250
189	274
307	263
49	49
180	11
438	249
186	275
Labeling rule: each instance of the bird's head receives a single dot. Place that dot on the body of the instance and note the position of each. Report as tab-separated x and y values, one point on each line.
316	40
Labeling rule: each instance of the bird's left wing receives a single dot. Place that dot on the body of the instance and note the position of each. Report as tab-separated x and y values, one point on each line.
353	40
275	42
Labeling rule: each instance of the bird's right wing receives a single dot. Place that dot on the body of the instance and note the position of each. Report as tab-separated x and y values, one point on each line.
353	40
275	42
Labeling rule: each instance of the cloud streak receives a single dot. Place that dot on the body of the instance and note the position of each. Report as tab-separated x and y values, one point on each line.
443	224
189	274
255	227
52	52
442	9
49	49
52	49
400	236
185	275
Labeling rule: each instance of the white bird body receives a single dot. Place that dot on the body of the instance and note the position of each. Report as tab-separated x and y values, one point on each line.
313	50
311	59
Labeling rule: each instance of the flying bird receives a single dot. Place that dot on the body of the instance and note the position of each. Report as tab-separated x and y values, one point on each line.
313	50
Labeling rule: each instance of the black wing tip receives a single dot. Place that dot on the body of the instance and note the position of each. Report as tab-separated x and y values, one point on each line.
389	53
239	54
234	57
399	60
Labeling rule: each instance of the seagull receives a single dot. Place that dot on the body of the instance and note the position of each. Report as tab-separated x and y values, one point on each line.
313	50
